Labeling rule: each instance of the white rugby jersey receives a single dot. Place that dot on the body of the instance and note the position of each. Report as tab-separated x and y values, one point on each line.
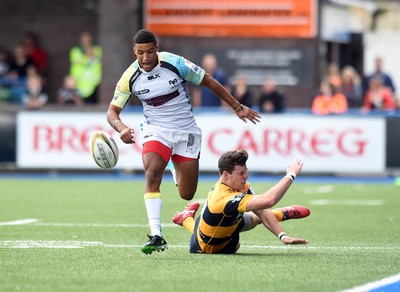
162	91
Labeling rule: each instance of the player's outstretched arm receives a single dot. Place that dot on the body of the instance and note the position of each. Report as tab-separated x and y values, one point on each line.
269	220
243	112
271	197
291	240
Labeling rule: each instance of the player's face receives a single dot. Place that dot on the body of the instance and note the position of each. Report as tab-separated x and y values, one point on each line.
237	179
146	55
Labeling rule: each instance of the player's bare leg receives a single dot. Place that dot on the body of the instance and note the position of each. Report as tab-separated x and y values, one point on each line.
187	174
154	166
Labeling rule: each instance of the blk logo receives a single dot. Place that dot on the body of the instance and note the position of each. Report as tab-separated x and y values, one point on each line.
151	77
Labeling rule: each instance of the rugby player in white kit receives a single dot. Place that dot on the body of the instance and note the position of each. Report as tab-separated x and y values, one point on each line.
159	81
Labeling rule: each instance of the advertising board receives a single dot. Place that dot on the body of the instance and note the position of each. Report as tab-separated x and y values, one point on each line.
232	18
326	144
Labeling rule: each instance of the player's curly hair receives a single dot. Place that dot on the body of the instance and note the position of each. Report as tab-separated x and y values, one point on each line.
230	159
144	36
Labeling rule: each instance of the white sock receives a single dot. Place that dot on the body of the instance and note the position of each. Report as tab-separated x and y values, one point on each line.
153	207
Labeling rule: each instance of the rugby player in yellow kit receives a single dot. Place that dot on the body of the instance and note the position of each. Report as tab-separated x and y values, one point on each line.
233	207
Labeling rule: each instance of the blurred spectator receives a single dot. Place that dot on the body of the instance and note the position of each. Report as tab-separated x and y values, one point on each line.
86	67
333	75
386	80
242	92
34	97
20	67
329	100
68	93
20	63
36	53
378	96
202	96
271	100
4	62
351	87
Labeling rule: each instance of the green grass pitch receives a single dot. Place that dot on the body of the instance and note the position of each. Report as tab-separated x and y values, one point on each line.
85	235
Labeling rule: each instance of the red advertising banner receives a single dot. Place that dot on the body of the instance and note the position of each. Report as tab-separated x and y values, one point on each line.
232	18
326	144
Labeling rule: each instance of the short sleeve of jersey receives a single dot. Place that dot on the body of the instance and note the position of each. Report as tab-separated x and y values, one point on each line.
187	70
239	202
122	91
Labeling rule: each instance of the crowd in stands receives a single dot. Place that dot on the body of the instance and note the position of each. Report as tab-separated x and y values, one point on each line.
24	74
345	89
340	90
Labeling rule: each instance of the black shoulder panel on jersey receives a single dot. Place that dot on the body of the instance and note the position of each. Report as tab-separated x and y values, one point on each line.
171	67
133	78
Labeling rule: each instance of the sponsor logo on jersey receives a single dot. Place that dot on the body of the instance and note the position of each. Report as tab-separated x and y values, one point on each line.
237	198
173	82
143	91
193	67
152	77
160	100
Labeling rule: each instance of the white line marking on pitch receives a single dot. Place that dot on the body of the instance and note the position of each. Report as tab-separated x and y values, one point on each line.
47	244
19	222
319	190
323	202
377	284
36	222
83	244
124	225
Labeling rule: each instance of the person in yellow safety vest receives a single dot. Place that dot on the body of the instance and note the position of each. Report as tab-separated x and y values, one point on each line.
86	69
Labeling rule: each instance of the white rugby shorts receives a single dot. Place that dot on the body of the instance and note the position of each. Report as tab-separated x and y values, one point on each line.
183	142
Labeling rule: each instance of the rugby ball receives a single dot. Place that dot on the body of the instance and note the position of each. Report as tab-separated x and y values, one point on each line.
103	149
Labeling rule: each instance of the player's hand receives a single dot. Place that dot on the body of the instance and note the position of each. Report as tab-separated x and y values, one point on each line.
127	135
295	166
248	114
290	240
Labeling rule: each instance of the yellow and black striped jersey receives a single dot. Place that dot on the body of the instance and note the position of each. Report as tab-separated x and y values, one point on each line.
221	216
